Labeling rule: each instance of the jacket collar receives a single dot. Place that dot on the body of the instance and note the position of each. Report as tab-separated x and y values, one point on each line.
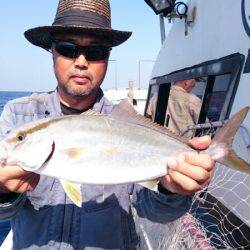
53	107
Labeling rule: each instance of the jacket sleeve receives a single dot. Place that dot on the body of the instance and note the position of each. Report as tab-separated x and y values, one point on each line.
7	121
159	207
9	203
10	206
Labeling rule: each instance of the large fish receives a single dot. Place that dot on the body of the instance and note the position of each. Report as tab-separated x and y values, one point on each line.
118	148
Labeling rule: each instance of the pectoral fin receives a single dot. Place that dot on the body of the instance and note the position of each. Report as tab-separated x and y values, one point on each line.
73	190
152	185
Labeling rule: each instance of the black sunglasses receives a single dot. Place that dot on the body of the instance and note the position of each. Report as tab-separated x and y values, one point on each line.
71	50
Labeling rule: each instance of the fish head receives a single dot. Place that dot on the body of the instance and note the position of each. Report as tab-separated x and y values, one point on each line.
27	147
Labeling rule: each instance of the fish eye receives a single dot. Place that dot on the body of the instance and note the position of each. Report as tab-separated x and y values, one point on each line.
21	137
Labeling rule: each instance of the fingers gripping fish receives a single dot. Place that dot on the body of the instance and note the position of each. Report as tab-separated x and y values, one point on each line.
122	147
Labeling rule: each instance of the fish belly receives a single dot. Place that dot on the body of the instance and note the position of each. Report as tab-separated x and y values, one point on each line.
104	151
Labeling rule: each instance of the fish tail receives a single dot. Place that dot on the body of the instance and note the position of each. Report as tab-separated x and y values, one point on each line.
221	148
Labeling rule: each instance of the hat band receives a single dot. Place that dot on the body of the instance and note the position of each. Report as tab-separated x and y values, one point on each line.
85	18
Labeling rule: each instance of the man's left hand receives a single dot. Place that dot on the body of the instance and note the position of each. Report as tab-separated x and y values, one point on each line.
190	172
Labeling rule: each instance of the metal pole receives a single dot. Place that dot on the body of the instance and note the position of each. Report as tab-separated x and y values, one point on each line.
162	27
139	71
139	86
116	83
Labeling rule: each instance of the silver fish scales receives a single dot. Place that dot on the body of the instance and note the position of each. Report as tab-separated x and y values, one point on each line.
119	148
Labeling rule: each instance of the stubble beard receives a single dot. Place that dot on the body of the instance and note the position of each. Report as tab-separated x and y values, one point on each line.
77	93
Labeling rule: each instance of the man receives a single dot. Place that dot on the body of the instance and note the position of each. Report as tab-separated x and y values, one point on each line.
183	107
42	216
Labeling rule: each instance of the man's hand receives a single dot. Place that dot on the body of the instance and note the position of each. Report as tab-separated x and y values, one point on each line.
14	179
190	172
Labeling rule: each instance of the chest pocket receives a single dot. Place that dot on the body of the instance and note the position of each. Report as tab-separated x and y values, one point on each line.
103	218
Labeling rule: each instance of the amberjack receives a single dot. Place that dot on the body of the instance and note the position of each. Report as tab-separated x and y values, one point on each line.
123	147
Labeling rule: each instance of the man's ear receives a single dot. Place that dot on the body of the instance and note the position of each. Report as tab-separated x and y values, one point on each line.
185	84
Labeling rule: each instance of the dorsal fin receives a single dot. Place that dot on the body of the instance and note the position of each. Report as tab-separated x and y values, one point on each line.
124	111
90	112
124	105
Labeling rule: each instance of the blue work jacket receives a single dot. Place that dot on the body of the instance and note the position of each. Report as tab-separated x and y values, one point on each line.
112	216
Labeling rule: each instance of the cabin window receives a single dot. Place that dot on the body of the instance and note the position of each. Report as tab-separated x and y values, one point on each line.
152	101
163	97
184	104
215	97
209	100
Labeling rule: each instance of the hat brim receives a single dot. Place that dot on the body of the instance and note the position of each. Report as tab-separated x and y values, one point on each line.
43	36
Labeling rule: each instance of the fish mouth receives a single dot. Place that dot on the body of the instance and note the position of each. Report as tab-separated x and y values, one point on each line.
50	155
3	154
2	162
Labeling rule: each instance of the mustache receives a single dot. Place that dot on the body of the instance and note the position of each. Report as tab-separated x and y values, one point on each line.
80	74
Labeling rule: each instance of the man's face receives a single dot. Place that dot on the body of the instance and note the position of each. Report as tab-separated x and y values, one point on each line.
78	76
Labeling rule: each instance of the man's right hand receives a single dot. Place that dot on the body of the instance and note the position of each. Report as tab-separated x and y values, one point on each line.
14	179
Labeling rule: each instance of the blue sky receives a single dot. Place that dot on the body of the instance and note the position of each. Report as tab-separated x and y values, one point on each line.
26	67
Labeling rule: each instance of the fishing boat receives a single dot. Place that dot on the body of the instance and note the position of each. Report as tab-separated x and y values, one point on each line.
208	41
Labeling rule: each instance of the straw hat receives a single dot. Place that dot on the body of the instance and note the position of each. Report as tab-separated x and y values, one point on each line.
83	17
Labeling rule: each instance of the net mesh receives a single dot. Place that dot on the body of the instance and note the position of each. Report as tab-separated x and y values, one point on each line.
219	216
221	212
209	224
225	218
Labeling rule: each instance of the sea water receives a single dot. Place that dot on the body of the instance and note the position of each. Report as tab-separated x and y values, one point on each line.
5	97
